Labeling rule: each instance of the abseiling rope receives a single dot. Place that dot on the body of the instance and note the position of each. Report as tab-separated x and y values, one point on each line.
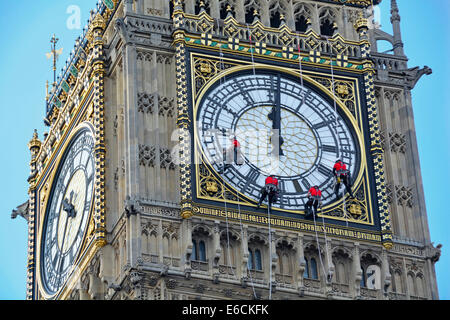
300	67
242	238
318	247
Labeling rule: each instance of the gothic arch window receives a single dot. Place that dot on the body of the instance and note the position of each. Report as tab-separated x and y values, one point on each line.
194	250
250	264
150	240
411	284
384	46
341	276
174	247
166	244
258	259
306	272
145	243
276	10
362	283
153	242
313	267
171	8
201	251
302	14
198	7
312	259
229	245
284	263
327	20
254	259
116	259
256	246
201	237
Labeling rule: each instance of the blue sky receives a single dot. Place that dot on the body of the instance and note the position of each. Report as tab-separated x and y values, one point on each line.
26	28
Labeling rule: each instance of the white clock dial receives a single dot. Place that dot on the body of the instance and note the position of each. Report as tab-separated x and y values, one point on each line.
313	135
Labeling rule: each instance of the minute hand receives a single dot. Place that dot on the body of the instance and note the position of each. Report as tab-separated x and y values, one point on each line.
275	116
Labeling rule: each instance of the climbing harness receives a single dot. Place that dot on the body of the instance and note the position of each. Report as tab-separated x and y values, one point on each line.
318	245
251	49
344	209
237	195
300	68
242	237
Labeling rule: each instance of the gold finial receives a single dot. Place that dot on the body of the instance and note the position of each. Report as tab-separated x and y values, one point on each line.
282	20
46	91
388	245
34	143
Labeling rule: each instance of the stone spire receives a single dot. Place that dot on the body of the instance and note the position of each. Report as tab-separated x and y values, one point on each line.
395	16
395	20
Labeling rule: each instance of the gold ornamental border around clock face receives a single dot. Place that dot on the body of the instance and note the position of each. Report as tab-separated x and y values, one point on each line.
207	70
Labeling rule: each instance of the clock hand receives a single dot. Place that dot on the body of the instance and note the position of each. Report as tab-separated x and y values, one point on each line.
73	213
65	208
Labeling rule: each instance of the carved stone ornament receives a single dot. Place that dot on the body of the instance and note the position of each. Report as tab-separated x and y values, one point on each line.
397	142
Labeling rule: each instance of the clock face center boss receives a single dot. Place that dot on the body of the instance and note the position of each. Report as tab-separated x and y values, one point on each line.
284	128
68	212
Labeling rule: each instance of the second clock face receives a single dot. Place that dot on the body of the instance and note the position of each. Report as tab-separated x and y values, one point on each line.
267	108
68	212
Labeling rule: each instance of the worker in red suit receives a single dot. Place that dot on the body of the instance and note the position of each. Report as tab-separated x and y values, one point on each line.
314	199
232	155
342	175
270	190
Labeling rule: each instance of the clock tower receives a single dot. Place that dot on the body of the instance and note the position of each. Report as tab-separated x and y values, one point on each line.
165	124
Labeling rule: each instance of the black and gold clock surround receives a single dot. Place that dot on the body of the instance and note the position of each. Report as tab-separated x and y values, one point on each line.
211	189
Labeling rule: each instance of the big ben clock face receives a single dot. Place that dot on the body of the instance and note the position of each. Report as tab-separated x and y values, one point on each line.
67	212
309	132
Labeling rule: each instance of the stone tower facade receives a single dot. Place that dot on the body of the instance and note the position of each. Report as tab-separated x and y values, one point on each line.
134	75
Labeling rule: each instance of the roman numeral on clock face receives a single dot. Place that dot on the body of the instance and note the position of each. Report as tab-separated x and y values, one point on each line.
329	149
324	170
320	125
